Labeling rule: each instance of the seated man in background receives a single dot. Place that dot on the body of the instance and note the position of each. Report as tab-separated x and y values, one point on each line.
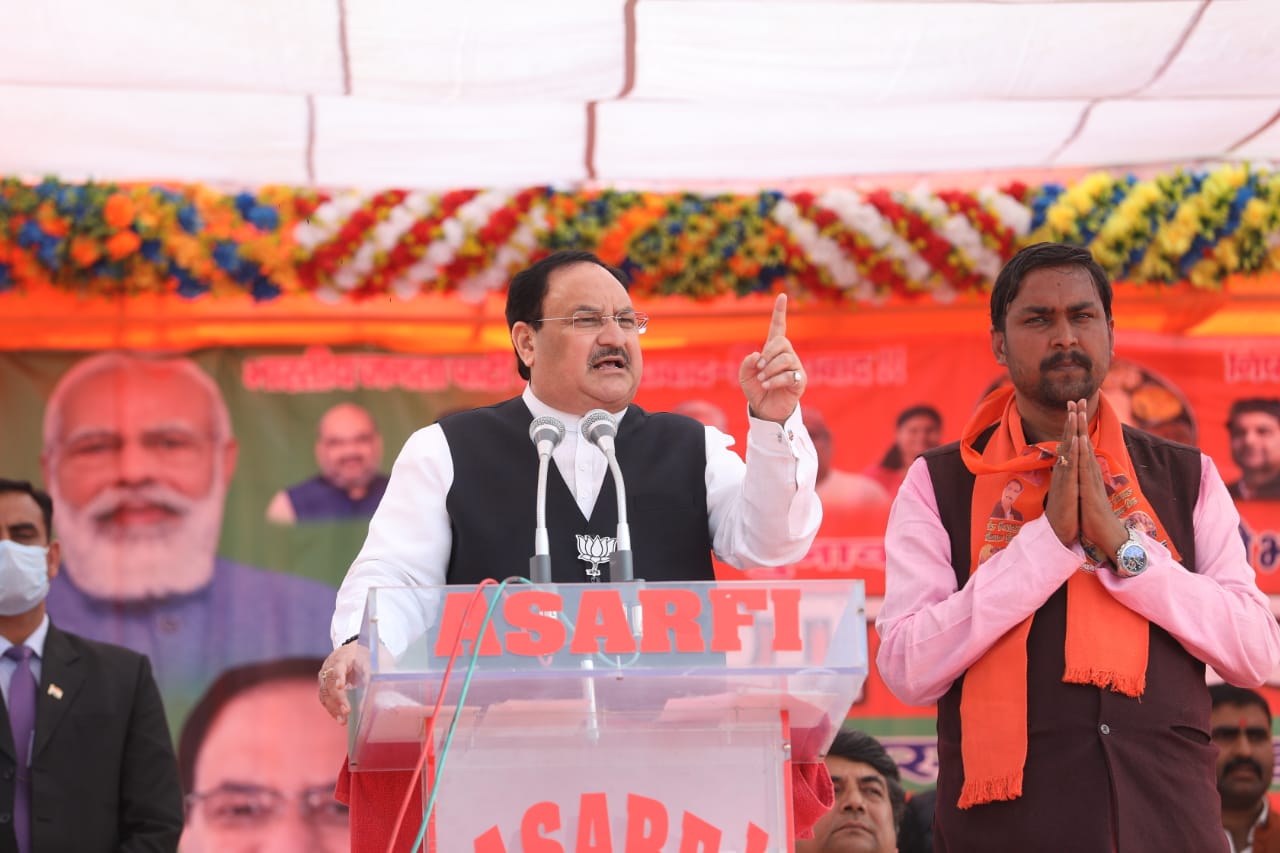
869	799
349	485
257	758
89	766
1241	729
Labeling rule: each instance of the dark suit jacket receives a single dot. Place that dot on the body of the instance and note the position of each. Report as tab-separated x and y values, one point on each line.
103	773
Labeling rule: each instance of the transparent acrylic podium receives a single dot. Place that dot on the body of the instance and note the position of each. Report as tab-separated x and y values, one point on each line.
665	716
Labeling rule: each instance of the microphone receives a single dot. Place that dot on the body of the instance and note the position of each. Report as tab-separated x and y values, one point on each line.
599	428
545	433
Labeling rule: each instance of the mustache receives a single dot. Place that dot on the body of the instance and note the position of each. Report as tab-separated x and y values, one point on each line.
111	499
1242	761
610	352
1061	359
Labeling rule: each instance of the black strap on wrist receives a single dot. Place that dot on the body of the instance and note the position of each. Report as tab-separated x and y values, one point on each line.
349	640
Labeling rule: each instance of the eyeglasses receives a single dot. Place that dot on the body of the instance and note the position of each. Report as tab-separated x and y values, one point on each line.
234	807
592	321
1230	734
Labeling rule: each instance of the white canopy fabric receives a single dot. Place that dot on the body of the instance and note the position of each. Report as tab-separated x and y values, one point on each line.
452	93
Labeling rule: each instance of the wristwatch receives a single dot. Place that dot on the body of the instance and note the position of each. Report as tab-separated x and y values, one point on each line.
1131	557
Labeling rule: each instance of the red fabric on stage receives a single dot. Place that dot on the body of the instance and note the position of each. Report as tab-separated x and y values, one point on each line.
812	796
374	798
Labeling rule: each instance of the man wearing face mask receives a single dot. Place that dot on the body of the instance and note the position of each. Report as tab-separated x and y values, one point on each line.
83	722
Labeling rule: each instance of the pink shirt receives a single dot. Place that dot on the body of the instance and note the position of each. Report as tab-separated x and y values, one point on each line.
930	633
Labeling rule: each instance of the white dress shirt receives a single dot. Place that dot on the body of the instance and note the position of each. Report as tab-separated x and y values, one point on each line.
763	512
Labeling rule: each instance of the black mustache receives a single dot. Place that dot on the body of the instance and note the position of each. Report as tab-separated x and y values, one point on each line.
1060	359
1242	761
610	352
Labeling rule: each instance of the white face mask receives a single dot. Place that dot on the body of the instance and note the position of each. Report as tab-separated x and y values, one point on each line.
24	577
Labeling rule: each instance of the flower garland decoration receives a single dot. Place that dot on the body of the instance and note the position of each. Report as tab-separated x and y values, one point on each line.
123	240
842	244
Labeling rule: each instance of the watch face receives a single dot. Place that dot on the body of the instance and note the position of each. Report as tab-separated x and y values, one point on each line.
1132	559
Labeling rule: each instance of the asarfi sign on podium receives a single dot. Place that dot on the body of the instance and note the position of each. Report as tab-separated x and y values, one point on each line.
600	717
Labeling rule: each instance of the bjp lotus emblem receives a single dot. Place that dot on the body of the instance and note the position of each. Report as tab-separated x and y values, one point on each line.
595	550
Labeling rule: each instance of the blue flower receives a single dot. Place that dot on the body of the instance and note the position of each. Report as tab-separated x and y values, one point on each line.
151	250
264	218
768	201
6	278
226	254
47	190
245	203
30	234
49	254
1135	258
630	267
189	219
189	286
1194	254
264	289
768	275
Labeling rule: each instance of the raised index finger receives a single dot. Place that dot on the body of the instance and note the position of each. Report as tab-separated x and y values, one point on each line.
778	322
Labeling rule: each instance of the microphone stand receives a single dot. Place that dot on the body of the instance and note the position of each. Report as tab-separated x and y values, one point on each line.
540	562
621	566
546	432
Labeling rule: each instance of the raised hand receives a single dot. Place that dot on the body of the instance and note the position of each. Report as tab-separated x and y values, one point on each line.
773	378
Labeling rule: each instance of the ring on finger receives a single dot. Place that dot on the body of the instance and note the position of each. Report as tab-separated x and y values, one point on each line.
1063	461
796	377
325	673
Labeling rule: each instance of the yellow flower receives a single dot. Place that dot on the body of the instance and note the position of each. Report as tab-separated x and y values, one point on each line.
1175	240
1096	184
1254	214
1227	254
1235	175
1145	194
1205	274
1061	218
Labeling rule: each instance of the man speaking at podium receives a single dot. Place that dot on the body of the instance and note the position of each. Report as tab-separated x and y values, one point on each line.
460	506
461	503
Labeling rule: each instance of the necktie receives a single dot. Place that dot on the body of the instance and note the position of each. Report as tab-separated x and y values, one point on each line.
22	720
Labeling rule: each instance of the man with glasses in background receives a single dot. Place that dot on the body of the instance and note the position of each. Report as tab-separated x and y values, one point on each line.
1240	725
256	758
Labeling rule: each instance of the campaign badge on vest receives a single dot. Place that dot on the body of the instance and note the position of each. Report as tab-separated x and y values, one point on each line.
595	550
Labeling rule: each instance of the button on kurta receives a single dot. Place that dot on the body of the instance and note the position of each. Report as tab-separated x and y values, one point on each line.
1105	729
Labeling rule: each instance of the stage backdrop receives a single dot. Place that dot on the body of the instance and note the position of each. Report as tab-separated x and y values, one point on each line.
1179	387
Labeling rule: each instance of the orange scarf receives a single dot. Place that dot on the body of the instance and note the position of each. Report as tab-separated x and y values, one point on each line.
1106	643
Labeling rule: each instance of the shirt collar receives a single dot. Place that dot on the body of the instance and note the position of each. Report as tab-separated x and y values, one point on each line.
541	409
35	642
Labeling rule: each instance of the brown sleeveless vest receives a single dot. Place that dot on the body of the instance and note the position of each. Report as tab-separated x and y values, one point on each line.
1104	772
